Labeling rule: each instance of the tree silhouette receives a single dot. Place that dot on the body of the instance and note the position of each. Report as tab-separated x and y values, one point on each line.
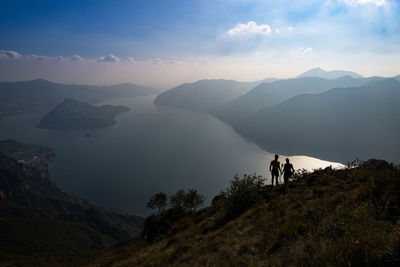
158	200
193	199
178	200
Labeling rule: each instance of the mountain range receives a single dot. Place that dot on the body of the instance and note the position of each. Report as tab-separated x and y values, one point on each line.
270	94
273	115
339	124
203	95
42	95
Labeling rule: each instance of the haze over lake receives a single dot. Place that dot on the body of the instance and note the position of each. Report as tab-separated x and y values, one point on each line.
150	149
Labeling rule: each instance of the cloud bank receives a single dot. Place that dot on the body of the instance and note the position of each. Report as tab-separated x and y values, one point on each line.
109	58
166	73
250	28
301	51
377	3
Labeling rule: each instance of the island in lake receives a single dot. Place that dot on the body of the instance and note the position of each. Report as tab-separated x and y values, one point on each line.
74	114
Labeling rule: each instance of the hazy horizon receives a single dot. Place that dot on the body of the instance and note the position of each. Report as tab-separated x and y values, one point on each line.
166	43
166	86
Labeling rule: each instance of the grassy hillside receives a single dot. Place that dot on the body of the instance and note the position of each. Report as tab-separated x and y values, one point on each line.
346	217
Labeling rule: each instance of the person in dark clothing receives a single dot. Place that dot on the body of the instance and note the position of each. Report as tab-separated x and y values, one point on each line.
288	171
275	168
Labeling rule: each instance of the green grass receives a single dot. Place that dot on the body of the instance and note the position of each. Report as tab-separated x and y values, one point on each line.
327	218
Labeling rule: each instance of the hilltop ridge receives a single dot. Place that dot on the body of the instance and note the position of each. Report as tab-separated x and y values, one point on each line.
326	218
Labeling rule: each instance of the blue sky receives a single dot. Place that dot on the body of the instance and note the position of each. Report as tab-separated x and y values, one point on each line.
239	39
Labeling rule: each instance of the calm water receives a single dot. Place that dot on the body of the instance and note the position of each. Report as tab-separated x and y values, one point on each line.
151	149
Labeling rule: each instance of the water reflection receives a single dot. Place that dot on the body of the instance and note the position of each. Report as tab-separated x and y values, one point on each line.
150	149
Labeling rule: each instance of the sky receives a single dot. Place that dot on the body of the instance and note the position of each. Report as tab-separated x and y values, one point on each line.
167	42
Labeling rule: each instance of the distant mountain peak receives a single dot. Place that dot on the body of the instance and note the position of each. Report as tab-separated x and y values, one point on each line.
317	69
333	74
37	81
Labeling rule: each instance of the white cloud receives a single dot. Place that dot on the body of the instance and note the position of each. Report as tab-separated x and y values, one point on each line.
131	60
158	61
38	57
9	55
277	31
250	28
13	55
301	51
364	2
109	58
76	58
175	61
290	28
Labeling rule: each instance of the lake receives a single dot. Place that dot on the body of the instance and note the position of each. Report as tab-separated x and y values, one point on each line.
150	149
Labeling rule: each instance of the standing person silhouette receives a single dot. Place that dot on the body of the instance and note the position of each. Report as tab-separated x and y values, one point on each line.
288	171
275	168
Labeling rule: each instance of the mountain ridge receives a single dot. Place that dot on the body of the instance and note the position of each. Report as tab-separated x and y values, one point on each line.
203	95
270	94
333	74
342	116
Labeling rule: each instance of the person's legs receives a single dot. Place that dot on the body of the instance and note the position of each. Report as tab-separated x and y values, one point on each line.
276	175
286	180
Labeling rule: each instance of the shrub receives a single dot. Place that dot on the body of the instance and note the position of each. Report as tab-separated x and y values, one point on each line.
178	200
193	199
242	194
159	201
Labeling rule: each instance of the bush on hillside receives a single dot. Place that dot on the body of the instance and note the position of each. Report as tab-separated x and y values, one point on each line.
242	194
192	200
164	223
159	200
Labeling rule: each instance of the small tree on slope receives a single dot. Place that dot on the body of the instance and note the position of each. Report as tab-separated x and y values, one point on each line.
158	200
193	199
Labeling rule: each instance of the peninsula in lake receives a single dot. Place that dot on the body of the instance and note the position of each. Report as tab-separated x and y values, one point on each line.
74	114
